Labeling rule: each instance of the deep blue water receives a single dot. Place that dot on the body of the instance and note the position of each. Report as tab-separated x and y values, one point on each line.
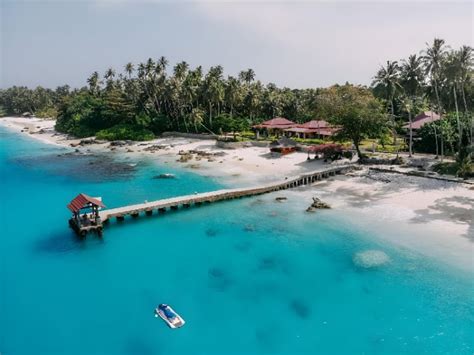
249	276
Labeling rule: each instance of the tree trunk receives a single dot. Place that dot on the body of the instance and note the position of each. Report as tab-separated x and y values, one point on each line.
468	114
457	119
411	135
436	140
394	132
210	113
442	146
359	154
440	117
464	99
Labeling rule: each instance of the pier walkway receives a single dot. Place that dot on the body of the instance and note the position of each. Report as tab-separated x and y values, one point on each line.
207	197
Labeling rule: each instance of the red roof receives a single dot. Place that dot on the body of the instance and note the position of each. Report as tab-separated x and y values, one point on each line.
277	122
301	130
81	201
423	118
315	124
327	131
427	114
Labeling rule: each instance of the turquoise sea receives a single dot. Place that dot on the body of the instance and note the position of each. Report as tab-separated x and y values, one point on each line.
249	276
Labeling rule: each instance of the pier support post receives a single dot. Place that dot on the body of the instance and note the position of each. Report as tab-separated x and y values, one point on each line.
174	207
149	212
120	218
134	214
161	210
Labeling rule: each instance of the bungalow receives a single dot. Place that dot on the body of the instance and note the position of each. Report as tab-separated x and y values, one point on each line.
422	119
312	129
276	125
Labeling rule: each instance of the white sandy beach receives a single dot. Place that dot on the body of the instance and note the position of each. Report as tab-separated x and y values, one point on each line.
430	216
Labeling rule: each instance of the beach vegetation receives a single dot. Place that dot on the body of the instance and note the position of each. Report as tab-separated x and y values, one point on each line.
439	79
125	132
48	113
157	97
357	113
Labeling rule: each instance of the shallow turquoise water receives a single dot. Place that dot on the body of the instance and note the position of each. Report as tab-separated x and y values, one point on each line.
250	276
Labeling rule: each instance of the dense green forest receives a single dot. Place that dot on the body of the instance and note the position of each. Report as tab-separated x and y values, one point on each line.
148	98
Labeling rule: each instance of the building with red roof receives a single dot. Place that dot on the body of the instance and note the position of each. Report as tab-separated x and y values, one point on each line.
276	126
312	129
276	123
422	119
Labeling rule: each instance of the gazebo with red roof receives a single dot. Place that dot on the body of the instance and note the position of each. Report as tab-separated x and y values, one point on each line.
85	214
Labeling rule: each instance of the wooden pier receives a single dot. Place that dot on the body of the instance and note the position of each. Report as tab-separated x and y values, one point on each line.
160	206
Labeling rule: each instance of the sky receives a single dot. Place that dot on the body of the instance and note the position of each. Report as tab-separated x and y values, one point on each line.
295	44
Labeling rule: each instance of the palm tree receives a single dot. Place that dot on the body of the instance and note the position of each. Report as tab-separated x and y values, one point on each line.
180	70
411	79
433	58
247	76
465	58
232	93
93	82
451	68
162	63
388	78
196	117
109	76
213	89
129	68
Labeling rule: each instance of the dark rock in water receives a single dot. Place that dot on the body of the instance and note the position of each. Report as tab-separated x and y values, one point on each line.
268	263
118	143
280	198
216	272
87	141
249	228
257	202
243	246
164	176
153	148
83	167
211	232
300	308
219	279
317	204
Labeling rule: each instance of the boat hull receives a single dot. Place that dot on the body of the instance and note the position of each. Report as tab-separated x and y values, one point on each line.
176	322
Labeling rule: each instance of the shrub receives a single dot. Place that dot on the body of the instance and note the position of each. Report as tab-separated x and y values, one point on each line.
464	169
125	132
47	112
